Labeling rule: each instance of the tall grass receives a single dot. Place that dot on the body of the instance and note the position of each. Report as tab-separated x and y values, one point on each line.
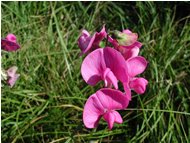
47	101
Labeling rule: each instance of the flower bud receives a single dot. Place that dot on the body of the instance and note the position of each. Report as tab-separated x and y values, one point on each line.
125	38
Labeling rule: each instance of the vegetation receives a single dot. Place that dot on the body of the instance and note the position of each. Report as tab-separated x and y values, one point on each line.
47	101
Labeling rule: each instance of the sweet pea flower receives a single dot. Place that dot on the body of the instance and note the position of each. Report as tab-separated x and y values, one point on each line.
126	43
89	43
103	103
136	66
105	64
10	43
12	76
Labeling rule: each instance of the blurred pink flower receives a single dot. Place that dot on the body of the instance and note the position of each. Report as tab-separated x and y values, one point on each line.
9	43
89	43
12	76
103	104
11	37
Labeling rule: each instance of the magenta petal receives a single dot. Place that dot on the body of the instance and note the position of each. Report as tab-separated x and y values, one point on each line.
100	36
127	90
92	112
89	47
85	42
109	117
85	33
139	85
133	52
136	65
109	78
137	44
128	52
9	46
11	37
112	99
93	67
117	116
116	62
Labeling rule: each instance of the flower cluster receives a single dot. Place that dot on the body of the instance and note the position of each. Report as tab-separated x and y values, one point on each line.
9	44
118	62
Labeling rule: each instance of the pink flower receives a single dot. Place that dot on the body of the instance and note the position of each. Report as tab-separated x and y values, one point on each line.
105	64
126	43
103	104
136	66
12	76
11	37
9	43
89	43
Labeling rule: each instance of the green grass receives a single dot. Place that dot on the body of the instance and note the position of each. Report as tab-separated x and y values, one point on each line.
45	105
